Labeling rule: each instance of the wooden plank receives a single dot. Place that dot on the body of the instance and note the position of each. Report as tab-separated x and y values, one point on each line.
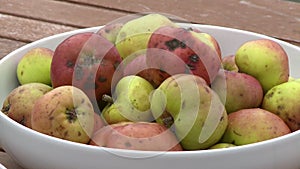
8	161
8	46
16	32
59	12
277	18
283	7
28	30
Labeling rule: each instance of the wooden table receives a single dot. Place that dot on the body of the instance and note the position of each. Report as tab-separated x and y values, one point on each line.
24	21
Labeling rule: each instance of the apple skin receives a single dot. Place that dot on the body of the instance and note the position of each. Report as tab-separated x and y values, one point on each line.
110	31
134	34
222	145
65	112
65	57
113	113
98	122
34	66
144	136
265	60
229	64
177	50
238	90
253	125
138	66
199	116
131	101
209	40
283	101
87	61
19	103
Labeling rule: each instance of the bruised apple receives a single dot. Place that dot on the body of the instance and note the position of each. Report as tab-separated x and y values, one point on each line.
145	136
64	112
88	61
283	101
178	50
20	102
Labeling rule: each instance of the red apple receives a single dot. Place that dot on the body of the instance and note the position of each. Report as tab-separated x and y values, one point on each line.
87	61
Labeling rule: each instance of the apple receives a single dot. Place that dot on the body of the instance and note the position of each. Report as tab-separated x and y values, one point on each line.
19	103
64	112
134	34
144	136
177	50
253	125
87	61
34	66
265	60
199	116
283	101
131	101
238	90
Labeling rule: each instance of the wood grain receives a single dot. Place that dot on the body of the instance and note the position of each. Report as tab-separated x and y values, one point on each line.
8	46
28	30
17	31
281	20
59	12
8	161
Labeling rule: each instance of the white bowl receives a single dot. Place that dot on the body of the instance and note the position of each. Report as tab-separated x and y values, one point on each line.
35	150
2	166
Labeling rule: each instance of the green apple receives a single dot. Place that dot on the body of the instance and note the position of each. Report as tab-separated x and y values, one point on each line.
200	118
131	102
265	60
35	65
283	100
135	34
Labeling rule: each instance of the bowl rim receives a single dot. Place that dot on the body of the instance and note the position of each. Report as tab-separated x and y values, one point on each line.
88	147
252	146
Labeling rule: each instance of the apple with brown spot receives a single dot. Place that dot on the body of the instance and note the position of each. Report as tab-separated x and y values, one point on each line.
88	61
253	125
65	112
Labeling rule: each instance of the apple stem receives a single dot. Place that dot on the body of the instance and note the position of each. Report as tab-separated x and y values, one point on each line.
107	99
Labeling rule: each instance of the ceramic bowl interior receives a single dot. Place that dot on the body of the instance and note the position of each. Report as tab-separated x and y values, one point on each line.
35	150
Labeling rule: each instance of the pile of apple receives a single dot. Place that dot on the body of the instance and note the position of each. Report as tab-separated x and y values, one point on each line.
149	84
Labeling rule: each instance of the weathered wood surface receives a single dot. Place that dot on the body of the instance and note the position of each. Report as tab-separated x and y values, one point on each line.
25	21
